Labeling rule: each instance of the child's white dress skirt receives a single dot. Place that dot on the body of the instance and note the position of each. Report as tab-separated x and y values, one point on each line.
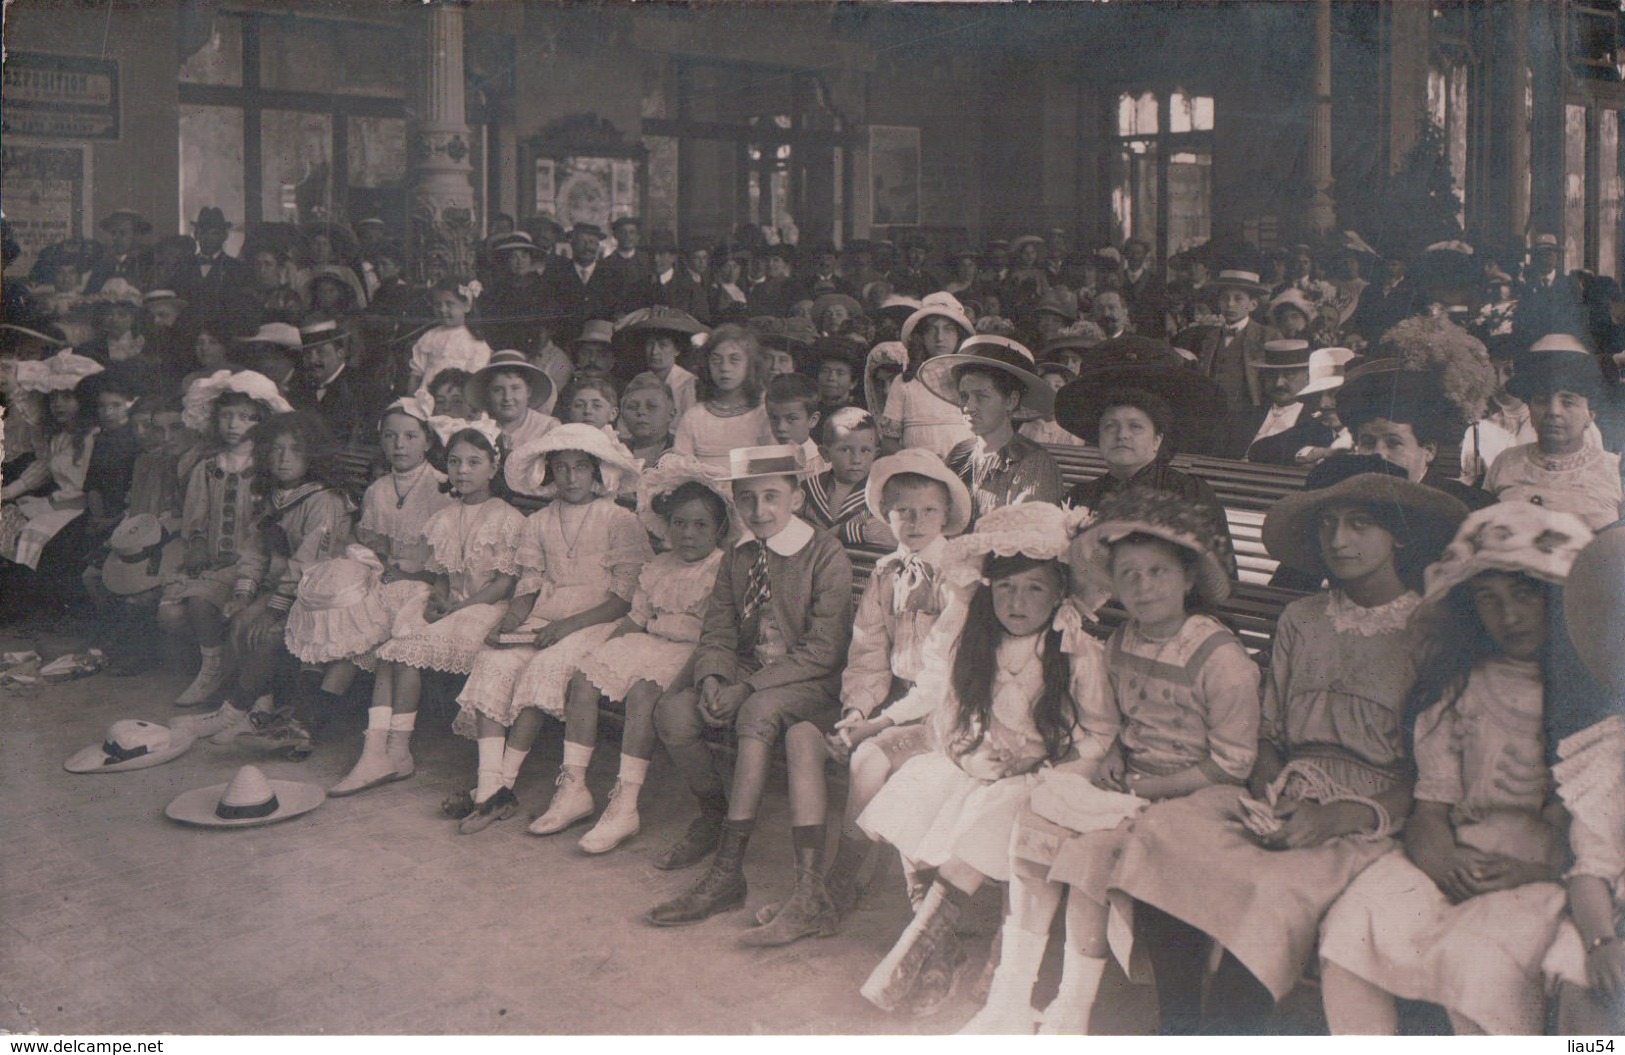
1482	958
933	811
449	645
343	612
505	681
625	661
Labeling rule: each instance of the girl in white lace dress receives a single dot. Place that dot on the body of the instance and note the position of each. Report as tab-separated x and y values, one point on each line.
682	503
473	553
1464	913
450	345
579	560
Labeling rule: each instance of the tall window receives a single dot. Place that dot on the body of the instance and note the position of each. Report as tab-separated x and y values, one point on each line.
294	120
1162	178
1447	108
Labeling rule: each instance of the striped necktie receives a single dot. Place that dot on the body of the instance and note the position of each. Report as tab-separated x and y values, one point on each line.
757	591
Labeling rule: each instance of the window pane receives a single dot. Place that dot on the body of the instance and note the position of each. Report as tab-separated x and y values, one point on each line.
1137	115
1613	188
1190	198
1179	113
296	166
377	150
220	58
1202	113
323	56
211	139
1574	180
1134	192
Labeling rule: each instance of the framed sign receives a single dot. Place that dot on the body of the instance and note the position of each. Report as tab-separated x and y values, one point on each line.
580	169
894	176
46	188
59	96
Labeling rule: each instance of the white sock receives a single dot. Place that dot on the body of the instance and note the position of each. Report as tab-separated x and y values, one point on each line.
1080	981
512	759
633	770
378	717
400	723
1020	953
490	772
265	703
577	755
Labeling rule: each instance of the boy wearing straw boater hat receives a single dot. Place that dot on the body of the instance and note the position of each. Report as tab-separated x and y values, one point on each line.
770	656
1318	432
1230	352
994	381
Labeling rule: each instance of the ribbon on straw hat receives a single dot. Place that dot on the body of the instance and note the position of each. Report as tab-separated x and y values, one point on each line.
445	426
249	799
131	744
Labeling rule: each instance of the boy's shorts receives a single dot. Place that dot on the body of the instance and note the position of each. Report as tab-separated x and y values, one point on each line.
214	586
765	715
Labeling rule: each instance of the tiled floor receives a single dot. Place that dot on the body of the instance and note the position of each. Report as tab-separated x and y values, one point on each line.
371	915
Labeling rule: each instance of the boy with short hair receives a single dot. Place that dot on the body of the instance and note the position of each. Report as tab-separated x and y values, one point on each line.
449	389
835	363
770	656
648	413
792	414
835	497
923	501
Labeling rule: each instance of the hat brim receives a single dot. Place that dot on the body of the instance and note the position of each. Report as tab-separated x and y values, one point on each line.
959	500
1095	543
128	578
1594	607
525	469
1256	289
90	759
541	386
1430	516
1198	403
197	807
912	323
1037	399
307	342
679	323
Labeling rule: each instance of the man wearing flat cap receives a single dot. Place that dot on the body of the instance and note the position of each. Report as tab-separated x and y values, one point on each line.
586	287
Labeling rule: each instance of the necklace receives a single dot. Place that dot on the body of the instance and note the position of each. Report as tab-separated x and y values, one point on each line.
570	543
416	477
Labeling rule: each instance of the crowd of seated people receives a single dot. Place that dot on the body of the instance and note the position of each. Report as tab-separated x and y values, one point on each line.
638	472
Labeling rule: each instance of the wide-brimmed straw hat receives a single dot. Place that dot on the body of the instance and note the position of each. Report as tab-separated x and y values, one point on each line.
1040	530
143	556
281	334
854	310
247	800
323	331
945	305
341	274
1512	537
659	318
1594	608
198	404
1327	367
1293	298
1160	514
510	361
1430	517
672	472
778	459
1284	354
131	744
940	373
1235	278
920	462
526	468
57	373
1557	362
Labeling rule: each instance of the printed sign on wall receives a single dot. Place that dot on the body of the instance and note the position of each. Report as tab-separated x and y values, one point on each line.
60	96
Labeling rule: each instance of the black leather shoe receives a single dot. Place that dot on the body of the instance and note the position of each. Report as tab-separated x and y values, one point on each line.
699	842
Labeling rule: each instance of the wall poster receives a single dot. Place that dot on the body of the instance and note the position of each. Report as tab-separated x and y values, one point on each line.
894	175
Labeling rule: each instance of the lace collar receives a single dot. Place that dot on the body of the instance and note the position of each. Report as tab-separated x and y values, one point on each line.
1350	618
1561	463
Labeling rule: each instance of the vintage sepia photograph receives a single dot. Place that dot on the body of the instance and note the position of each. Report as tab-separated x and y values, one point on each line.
890	519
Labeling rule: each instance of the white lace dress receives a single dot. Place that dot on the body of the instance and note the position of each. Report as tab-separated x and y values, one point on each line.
394	513
670	605
472	545
569	572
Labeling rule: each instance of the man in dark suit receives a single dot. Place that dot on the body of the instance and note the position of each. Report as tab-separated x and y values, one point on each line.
213	278
1310	439
821	275
513	307
673	284
1548	300
1143	289
1383	306
327	388
585	287
127	256
634	263
914	278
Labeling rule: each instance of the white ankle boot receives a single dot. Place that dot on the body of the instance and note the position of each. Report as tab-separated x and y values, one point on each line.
399	748
371	769
1009	1008
1068	1014
619	822
572	803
